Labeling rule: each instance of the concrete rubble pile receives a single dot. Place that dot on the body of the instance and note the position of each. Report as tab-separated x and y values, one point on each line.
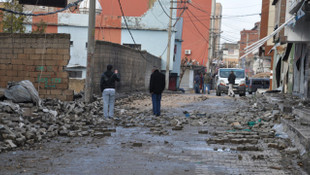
23	124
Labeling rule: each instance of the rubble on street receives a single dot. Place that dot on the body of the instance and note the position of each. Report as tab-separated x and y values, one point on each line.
254	127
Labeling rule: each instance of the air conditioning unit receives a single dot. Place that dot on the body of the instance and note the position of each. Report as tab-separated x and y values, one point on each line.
188	52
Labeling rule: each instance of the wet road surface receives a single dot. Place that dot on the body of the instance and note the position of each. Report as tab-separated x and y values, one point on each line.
138	151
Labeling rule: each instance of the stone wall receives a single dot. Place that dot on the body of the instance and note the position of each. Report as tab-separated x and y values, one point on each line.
134	69
39	58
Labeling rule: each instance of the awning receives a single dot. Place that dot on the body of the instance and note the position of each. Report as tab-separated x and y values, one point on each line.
253	47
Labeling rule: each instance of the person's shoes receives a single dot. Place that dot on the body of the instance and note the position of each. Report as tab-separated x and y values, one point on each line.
157	115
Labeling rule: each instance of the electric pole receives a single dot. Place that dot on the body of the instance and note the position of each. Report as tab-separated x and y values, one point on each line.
169	46
211	37
90	51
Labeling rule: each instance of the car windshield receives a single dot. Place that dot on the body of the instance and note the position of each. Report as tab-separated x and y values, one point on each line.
224	73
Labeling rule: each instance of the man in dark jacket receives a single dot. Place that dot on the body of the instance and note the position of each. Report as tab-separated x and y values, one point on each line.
196	83
107	86
231	81
157	86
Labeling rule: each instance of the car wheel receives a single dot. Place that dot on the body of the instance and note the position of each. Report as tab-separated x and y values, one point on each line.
218	92
250	92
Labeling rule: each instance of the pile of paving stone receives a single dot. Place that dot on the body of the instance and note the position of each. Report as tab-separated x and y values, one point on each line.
23	124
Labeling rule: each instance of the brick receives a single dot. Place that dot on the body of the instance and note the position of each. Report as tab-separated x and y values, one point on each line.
18	67
51	51
56	92
28	62
5	61
42	91
5	51
62	74
35	57
30	68
29	51
22	74
23	56
62	62
40	51
63	51
68	92
50	63
11	73
66	57
69	97
63	86
16	61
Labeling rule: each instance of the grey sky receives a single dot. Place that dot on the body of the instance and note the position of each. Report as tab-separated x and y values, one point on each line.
231	26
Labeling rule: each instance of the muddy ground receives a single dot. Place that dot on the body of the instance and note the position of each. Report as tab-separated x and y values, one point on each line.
214	139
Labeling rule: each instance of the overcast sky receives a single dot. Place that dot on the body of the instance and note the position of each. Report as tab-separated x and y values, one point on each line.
231	26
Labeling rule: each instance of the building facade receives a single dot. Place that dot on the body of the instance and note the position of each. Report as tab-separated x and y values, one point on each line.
248	37
196	31
146	20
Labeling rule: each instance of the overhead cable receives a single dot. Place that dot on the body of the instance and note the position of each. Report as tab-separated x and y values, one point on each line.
197	28
123	15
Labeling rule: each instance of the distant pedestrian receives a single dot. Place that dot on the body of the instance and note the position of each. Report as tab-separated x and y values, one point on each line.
231	81
207	82
107	86
201	85
196	83
157	86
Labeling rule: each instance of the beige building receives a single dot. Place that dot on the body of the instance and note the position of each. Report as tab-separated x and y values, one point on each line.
230	55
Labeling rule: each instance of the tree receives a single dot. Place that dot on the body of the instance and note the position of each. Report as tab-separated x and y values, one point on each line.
40	27
12	23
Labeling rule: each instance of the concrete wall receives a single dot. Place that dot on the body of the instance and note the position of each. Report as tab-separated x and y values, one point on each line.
39	58
187	82
134	70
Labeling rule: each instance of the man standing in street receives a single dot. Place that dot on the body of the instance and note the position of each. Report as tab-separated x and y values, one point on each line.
196	83
231	81
157	86
107	86
207	82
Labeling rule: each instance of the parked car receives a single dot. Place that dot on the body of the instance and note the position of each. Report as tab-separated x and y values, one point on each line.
258	83
222	81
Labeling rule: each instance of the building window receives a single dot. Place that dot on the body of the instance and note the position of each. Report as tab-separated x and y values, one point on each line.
133	46
71	43
75	74
86	45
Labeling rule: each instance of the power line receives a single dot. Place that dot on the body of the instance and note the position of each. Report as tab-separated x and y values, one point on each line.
42	14
199	9
165	11
197	29
123	15
199	20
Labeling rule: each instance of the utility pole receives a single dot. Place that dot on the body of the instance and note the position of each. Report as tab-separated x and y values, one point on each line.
211	38
169	46
90	51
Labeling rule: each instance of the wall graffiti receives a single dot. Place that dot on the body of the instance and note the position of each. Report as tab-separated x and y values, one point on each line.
46	78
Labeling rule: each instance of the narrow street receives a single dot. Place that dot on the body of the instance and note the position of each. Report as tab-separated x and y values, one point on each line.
196	134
